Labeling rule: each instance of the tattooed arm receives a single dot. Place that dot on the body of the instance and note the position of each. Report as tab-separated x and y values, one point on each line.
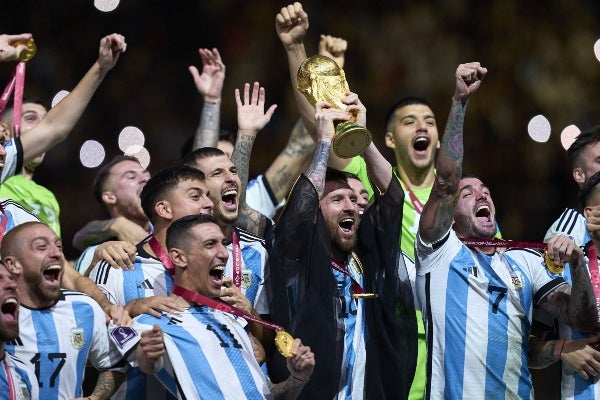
438	212
325	115
251	118
284	171
108	383
210	86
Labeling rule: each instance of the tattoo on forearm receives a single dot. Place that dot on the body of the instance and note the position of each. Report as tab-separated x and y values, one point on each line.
108	382
207	134
316	171
241	159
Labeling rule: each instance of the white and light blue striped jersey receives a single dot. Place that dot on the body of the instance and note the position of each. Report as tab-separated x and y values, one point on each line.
572	223
352	378
254	259
148	278
84	260
15	214
573	387
14	159
477	311
57	341
260	197
209	354
22	377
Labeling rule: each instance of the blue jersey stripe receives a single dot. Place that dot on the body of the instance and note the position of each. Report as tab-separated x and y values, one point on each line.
456	325
47	341
235	358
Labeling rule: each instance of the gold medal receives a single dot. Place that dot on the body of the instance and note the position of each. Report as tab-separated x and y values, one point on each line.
551	265
364	295
284	342
27	54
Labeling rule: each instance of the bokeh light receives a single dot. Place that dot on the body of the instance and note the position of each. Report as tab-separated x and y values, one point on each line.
568	136
597	49
139	152
131	136
91	154
58	97
106	5
539	128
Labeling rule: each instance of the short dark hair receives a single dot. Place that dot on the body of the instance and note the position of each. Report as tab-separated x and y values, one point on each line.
104	172
8	111
178	232
588	189
224	135
201	153
585	138
400	103
163	183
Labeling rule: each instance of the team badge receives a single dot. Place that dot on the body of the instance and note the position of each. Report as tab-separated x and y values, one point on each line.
24	391
246	278
516	280
77	338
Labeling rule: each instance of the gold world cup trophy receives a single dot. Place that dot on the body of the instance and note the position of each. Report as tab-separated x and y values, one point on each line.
321	79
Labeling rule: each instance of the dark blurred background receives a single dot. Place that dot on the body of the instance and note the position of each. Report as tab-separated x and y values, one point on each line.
539	55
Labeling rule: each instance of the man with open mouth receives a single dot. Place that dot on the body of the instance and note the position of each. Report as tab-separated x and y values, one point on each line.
326	276
17	377
204	350
168	195
59	329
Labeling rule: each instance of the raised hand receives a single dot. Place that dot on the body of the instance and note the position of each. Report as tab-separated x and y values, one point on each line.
111	47
324	116
210	82
334	48
251	111
356	108
291	24
8	50
468	79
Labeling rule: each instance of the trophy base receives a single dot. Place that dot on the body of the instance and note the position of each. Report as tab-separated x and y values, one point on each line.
350	139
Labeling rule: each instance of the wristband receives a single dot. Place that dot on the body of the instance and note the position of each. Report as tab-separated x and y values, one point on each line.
298	379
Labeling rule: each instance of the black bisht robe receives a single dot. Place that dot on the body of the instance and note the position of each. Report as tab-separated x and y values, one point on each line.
301	256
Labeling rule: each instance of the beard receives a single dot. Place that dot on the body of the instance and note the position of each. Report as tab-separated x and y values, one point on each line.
37	289
467	228
343	244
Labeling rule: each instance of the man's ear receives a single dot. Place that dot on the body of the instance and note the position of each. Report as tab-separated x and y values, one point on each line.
178	257
13	265
586	211
163	209
389	140
579	176
109	197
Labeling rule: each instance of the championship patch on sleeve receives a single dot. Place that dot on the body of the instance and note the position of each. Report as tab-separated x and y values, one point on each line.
122	335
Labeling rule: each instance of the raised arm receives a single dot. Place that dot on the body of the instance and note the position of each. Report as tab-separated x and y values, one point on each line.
58	123
324	115
8	50
251	118
438	212
284	170
291	25
210	86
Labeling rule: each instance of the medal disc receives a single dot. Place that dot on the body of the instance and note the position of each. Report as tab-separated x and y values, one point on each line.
284	342
551	265
350	139
27	54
